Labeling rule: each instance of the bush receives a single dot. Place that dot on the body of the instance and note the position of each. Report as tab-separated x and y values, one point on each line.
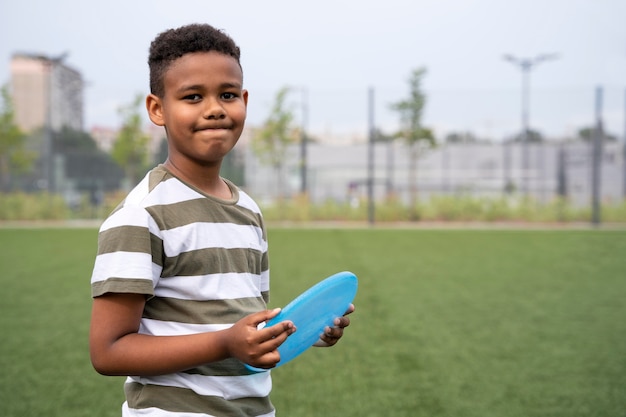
20	206
37	206
460	208
443	208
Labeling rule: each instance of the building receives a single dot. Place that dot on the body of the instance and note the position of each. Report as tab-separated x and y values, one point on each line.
46	92
48	107
104	137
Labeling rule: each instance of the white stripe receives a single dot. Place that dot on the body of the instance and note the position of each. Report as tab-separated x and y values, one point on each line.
156	412
211	235
131	216
247	202
211	287
120	264
265	280
227	387
172	328
170	192
137	194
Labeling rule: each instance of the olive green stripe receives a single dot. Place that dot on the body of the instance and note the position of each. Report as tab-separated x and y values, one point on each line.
155	177
124	238
122	285
181	400
201	210
216	260
202	312
131	239
227	367
158	253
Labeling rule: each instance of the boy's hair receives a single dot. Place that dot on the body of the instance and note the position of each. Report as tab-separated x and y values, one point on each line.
170	45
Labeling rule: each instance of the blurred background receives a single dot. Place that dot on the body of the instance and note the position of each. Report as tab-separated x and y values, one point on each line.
425	110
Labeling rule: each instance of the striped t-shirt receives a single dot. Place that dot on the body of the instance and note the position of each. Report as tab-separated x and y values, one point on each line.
202	262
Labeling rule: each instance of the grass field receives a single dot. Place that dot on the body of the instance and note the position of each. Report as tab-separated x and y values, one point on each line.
448	323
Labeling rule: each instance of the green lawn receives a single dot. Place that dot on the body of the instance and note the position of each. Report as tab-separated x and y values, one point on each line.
448	323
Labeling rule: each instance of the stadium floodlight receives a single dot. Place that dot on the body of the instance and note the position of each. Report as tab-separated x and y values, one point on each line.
526	65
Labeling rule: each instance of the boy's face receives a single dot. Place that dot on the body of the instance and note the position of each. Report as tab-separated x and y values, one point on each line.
203	108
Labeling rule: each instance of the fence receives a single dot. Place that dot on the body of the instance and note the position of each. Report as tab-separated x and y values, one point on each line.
340	172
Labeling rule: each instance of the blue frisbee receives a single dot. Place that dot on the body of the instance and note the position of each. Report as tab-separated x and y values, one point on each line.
311	312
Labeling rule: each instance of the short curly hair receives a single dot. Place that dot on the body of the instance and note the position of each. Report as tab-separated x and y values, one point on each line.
170	45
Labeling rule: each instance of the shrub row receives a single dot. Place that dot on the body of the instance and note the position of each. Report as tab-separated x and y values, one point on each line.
44	206
444	208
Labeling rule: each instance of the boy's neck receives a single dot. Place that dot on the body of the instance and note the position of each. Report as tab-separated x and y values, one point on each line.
206	179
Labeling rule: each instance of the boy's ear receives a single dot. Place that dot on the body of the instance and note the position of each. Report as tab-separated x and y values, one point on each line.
154	105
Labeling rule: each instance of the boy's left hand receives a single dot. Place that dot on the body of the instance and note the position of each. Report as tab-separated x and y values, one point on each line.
332	334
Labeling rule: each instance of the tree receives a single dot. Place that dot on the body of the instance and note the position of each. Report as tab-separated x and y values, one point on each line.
412	132
130	149
69	140
532	136
162	153
587	135
90	168
271	141
14	158
461	137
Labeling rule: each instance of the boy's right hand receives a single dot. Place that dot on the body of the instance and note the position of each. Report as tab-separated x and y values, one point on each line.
258	348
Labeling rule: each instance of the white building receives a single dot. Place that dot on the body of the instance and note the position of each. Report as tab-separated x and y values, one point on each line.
46	92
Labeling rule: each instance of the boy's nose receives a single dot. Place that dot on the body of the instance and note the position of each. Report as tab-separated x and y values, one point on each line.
214	110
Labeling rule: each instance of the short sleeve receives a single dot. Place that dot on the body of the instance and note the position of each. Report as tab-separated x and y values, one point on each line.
130	253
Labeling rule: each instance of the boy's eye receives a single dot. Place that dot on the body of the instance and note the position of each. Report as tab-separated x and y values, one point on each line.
229	96
193	97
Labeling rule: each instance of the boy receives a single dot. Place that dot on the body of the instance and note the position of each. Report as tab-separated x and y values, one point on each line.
181	279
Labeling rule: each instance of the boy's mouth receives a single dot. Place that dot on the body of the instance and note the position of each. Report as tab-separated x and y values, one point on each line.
213	127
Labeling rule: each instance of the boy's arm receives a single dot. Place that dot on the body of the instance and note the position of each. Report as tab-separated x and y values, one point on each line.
117	348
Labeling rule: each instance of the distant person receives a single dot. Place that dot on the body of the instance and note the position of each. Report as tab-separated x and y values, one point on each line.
181	278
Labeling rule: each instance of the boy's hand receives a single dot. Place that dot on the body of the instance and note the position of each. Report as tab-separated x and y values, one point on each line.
258	347
332	334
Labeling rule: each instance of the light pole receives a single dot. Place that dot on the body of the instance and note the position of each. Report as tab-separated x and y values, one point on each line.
303	143
370	156
48	169
526	65
624	152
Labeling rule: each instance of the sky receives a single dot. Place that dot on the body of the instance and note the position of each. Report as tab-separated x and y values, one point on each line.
332	53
